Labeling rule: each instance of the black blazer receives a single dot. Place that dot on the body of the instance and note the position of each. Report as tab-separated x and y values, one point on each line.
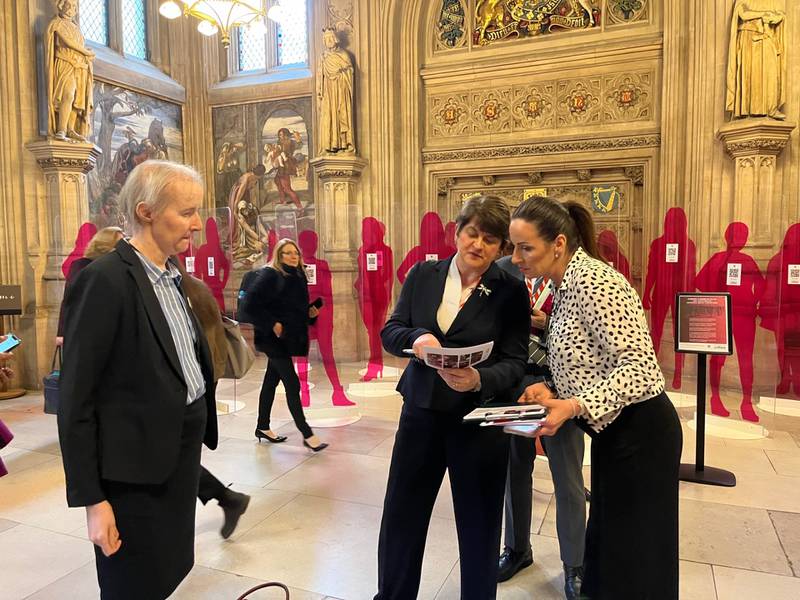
501	316
123	396
270	298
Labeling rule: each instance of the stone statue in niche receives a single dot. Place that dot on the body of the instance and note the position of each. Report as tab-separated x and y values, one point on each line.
68	69
335	97
757	60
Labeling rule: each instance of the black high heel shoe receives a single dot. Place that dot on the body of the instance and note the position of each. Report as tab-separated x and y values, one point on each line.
319	448
260	435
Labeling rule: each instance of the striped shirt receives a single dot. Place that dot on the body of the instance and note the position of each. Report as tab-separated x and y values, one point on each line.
166	285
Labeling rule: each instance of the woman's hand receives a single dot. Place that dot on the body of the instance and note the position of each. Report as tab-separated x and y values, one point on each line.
427	340
461	380
313	312
277	329
102	527
558	411
536	392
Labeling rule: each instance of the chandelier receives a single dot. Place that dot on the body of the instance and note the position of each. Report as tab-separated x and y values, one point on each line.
221	16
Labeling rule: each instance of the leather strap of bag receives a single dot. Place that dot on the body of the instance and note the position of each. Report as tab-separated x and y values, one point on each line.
264	586
56	355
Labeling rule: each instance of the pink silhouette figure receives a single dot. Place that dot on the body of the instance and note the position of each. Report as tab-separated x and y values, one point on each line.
374	288
665	279
322	330
780	311
212	264
85	234
450	238
432	242
746	290
612	253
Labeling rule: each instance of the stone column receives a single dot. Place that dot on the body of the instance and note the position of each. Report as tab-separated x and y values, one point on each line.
65	165
754	145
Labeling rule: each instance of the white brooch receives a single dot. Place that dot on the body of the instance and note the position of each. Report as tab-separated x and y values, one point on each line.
484	291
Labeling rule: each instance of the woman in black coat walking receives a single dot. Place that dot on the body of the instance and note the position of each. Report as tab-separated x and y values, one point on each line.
277	302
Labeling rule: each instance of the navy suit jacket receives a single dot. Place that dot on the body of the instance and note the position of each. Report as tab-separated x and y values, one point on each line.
502	316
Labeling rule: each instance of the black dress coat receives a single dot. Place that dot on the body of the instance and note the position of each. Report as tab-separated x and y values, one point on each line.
499	313
271	297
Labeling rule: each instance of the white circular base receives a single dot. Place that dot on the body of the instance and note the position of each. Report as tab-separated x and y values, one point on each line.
387	373
680	400
227	407
332	416
779	406
282	390
372	389
730	428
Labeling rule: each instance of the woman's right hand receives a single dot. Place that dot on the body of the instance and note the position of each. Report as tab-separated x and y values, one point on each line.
102	527
427	340
535	393
277	329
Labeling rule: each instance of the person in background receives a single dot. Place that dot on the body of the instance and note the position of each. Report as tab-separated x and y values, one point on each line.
205	307
607	379
101	243
6	374
457	302
564	453
276	303
137	392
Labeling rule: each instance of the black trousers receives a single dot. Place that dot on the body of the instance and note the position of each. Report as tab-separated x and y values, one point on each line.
281	369
210	487
156	525
632	534
429	442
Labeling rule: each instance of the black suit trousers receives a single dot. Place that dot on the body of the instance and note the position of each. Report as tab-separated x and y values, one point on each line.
428	442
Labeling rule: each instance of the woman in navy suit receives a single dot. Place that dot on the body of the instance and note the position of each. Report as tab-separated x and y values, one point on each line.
458	302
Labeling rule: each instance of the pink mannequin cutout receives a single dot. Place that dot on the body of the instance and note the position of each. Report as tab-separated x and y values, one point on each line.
665	279
322	330
85	234
713	277
374	289
213	249
450	238
432	241
780	311
609	248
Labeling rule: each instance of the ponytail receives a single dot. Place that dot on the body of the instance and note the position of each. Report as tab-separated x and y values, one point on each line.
584	225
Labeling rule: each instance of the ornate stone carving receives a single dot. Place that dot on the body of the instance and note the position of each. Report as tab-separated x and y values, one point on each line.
449	116
451	27
338	167
579	102
335	97
635	174
535	177
533	106
69	77
584	174
628	97
340	15
619	143
444	184
628	11
491	111
55	156
497	20
755	136
489	180
756	81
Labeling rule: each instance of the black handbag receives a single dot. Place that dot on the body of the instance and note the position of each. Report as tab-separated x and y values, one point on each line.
50	384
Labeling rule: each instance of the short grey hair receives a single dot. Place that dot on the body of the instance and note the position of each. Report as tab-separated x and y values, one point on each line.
146	184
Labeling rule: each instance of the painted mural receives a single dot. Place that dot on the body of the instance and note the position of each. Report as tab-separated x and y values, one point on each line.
129	128
497	20
262	174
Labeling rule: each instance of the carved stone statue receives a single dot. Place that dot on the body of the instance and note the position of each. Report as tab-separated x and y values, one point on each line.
68	69
757	60
335	96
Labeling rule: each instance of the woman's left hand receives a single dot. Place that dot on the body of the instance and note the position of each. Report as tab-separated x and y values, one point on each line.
461	380
313	312
558	411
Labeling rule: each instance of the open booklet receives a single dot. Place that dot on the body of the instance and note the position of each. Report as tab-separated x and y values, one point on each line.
514	414
455	358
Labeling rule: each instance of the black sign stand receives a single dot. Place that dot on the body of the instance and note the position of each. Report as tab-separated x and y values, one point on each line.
699	472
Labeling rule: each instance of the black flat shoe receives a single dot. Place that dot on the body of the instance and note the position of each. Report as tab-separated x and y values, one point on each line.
573	577
512	562
319	448
260	435
234	505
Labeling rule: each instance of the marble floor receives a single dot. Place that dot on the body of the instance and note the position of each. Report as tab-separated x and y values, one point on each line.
313	520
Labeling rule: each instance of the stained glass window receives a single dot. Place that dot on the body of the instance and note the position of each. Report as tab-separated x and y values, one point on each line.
252	50
94	20
293	34
134	28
